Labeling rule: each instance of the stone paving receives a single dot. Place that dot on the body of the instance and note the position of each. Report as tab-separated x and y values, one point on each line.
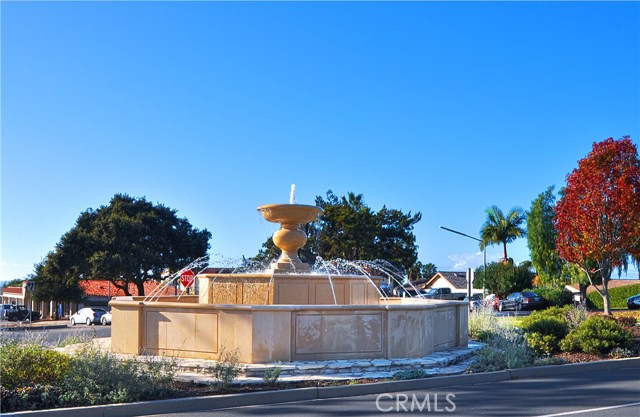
447	362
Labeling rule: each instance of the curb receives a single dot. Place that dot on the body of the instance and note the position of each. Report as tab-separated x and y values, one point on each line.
37	327
307	394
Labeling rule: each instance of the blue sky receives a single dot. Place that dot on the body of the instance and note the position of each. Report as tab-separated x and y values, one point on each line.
215	108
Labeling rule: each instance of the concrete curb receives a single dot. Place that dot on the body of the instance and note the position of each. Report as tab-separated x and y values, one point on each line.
37	327
306	394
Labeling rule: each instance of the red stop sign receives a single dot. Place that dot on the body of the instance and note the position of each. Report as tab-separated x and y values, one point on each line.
187	278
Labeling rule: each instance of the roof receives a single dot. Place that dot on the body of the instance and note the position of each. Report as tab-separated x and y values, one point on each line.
457	279
12	290
104	288
613	283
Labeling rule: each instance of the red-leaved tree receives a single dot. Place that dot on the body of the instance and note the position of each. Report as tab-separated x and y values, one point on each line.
598	218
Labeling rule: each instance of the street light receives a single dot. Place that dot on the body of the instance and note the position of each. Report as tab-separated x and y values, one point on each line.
484	281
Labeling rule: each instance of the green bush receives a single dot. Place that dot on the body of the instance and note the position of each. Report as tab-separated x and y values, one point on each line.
544	335
575	315
409	374
555	296
597	334
482	324
227	369
506	349
617	296
24	364
557	313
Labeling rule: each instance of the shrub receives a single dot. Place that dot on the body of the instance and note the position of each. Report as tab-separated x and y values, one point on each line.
98	377
506	349
544	335
617	296
227	369
482	324
556	313
24	364
575	315
597	335
272	374
409	374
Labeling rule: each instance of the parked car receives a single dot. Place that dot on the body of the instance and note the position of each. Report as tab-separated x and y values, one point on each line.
4	310
106	318
21	313
88	315
443	294
633	302
522	301
475	302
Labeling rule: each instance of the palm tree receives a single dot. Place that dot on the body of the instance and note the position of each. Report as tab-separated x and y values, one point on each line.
500	229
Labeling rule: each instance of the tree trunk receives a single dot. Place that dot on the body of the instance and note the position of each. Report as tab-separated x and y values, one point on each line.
583	293
605	296
140	285
504	244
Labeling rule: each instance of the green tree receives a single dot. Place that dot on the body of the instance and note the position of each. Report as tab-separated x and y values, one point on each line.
499	228
128	241
420	270
349	229
56	280
541	239
504	278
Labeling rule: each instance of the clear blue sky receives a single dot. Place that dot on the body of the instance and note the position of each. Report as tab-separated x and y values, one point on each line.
216	108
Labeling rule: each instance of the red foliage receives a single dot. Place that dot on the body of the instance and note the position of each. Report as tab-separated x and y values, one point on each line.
598	218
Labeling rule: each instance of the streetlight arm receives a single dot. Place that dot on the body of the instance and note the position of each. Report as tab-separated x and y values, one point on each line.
460	233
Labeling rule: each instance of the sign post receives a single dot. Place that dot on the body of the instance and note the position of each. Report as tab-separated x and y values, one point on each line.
30	286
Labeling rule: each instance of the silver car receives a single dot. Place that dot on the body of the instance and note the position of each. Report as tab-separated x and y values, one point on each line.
88	315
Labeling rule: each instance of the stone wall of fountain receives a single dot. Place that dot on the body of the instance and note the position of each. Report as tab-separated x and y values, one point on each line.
286	314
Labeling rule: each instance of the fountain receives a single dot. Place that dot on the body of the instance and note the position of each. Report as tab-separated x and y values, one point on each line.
287	313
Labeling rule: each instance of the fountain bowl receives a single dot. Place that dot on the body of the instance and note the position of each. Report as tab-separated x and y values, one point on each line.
289	213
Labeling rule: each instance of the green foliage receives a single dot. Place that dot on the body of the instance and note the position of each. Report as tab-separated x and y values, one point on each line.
349	229
541	239
501	229
129	240
555	296
505	349
24	364
617	296
482	324
409	374
99	377
503	277
619	353
558	313
227	368
272	374
597	334
35	377
575	315
544	335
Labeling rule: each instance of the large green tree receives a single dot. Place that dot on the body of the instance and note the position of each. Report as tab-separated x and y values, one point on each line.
56	278
504	278
350	230
502	229
130	240
541	239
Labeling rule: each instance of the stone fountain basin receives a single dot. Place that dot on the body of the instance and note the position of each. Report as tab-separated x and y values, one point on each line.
394	328
289	213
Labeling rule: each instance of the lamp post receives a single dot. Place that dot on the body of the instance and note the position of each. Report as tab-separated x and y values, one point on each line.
484	281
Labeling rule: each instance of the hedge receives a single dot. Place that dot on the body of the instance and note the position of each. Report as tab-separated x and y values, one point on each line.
617	296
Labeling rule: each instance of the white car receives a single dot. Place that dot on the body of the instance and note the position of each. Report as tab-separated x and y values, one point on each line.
89	315
106	318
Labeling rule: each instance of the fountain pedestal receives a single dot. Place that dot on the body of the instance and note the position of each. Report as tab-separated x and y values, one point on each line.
290	238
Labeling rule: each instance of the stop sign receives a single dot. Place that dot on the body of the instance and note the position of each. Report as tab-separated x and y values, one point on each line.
187	278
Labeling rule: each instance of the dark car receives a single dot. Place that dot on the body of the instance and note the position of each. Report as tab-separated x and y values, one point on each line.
21	313
522	301
633	302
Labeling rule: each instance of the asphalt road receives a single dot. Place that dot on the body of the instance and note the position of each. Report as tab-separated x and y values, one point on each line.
53	336
591	393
